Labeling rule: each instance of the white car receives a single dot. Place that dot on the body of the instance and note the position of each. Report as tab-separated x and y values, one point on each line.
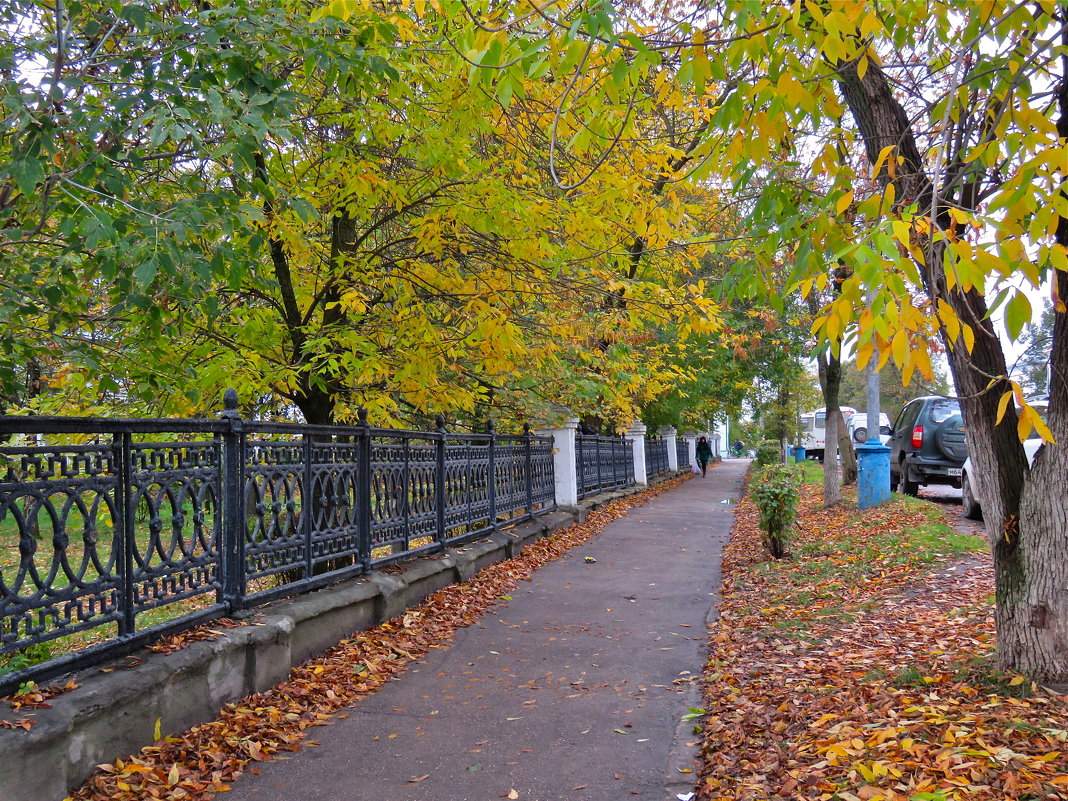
970	486
858	428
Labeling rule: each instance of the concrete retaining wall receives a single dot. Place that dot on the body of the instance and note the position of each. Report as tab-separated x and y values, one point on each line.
114	713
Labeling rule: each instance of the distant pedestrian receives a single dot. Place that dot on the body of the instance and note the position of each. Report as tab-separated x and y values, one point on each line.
704	453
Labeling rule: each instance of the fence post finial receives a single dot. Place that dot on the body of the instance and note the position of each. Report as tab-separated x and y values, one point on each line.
230	402
441	422
361	415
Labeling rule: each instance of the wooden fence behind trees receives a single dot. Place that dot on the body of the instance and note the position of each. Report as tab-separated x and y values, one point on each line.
117	532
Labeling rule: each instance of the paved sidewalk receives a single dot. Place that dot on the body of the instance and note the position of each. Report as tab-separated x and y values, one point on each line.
574	690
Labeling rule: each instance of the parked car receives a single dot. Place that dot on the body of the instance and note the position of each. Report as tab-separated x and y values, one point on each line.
927	444
858	428
971	494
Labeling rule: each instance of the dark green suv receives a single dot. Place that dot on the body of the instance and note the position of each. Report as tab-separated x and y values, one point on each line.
927	444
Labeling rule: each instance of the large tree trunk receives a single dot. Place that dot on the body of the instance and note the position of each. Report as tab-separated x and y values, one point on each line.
1026	510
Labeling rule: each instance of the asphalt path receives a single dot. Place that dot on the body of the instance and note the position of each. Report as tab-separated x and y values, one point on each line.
576	689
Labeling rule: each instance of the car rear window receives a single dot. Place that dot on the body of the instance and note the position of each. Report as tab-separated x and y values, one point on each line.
942	410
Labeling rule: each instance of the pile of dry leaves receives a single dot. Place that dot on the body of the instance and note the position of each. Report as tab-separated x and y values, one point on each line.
862	668
205	759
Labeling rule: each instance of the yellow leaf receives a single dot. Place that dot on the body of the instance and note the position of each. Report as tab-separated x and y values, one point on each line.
1003	404
864	354
1025	423
902	232
900	347
157	732
1043	429
969	336
513	794
883	155
843	203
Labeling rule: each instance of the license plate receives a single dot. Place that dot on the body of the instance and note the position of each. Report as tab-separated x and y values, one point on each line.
955	472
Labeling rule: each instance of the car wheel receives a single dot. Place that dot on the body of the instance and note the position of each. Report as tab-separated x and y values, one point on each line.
907	486
860	434
972	510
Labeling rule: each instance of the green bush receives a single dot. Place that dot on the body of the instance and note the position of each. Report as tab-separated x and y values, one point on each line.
768	452
776	490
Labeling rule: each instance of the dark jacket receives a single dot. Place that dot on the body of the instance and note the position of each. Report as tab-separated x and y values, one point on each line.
704	450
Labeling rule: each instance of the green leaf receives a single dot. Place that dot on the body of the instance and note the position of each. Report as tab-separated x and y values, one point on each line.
145	273
1017	314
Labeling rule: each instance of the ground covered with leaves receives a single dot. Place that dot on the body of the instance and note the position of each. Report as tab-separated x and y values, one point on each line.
862	667
206	759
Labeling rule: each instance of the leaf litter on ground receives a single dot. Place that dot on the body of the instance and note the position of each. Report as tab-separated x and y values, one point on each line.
862	668
205	760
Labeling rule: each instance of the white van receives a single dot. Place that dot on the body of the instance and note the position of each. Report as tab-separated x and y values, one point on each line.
813	427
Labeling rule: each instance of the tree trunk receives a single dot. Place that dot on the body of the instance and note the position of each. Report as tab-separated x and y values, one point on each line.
832	488
846	454
1026	510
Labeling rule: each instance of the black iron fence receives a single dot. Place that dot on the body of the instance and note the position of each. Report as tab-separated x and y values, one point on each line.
656	456
116	532
682	454
603	463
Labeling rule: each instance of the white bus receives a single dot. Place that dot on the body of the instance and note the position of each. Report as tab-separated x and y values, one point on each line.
813	427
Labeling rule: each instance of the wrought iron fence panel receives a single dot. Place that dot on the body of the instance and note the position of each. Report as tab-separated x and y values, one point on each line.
467	486
403	493
587	465
510	477
174	497
190	520
542	474
335	481
604	463
60	514
275	472
682	454
656	456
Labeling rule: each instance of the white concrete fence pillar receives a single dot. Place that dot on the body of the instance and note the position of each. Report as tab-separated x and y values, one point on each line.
565	459
668	433
691	448
636	437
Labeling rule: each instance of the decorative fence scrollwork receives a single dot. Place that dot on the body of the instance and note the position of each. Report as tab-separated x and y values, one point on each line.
117	532
656	456
603	463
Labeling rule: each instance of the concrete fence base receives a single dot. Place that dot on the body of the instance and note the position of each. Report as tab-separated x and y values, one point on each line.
115	709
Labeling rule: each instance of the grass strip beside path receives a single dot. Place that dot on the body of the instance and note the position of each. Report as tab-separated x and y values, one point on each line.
862	667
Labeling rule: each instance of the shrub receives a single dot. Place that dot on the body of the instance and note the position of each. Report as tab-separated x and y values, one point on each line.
776	490
26	657
768	452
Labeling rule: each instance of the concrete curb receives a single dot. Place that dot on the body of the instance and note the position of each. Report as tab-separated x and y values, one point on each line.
117	707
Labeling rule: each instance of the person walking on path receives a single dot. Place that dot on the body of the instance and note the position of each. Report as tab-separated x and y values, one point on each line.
704	453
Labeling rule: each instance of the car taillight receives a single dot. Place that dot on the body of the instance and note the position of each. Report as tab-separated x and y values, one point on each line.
917	437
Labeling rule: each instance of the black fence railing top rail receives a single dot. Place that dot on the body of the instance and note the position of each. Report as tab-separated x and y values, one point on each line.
33	424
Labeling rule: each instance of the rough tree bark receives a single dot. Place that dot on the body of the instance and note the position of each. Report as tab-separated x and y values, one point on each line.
1026	509
832	487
